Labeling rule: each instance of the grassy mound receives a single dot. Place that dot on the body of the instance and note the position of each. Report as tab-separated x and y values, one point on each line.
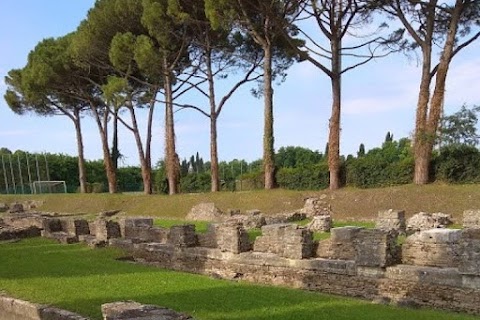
347	204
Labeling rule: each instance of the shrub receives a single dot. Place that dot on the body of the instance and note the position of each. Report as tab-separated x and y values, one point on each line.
304	178
458	164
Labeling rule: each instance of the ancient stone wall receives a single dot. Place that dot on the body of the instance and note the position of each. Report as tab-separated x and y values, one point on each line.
355	262
436	268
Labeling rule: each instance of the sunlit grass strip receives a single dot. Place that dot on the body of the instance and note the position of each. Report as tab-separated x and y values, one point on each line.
80	279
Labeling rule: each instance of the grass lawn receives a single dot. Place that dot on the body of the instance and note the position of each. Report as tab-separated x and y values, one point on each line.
80	279
348	204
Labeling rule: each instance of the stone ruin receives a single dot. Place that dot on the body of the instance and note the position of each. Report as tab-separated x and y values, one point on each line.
315	208
425	221
391	220
471	219
437	268
16	309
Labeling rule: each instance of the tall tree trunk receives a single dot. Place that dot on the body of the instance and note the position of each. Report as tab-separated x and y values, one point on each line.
214	174
107	159
82	172
115	152
146	172
426	127
215	179
422	158
148	144
171	159
268	137
334	125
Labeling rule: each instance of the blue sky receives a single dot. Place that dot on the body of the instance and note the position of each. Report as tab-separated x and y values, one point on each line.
378	97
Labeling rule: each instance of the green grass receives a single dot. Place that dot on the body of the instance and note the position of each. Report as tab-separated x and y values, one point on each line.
347	203
80	279
200	226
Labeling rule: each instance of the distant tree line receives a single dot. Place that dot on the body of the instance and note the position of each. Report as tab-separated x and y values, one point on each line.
456	159
132	55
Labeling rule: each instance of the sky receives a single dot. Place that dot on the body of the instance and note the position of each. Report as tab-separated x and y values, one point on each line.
377	98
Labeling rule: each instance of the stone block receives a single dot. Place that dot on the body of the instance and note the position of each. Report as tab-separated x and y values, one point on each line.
130	310
440	236
391	220
50	226
182	236
315	207
425	275
286	240
75	227
128	223
205	212
16	208
106	229
471	219
470	252
376	248
232	237
434	248
425	221
3	207
345	234
320	223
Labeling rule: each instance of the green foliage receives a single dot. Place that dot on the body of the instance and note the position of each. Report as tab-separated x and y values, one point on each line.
390	165
304	178
195	182
458	163
460	127
295	157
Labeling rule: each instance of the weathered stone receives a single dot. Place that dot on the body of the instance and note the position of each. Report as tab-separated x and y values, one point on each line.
16	208
24	220
126	224
286	240
12	233
391	220
435	248
340	245
109	213
376	248
75	227
470	252
106	229
287	217
320	224
205	212
426	275
232	237
130	310
315	207
424	221
182	236
3	207
50	226
233	212
252	221
471	219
